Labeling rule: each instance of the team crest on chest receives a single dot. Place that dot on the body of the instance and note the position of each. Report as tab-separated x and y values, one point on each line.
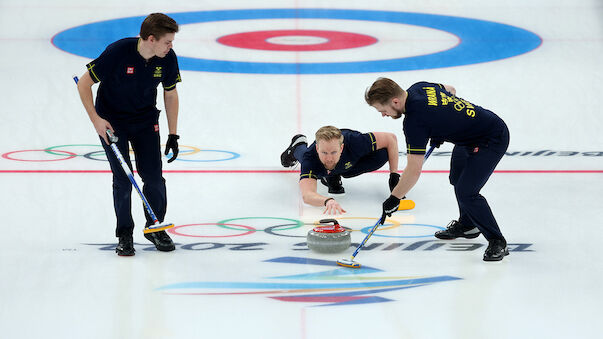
348	165
129	70
157	73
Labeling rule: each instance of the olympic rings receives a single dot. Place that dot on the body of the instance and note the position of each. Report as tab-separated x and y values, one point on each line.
194	150
91	154
233	155
294	224
297	223
49	150
173	231
270	230
70	155
99	155
366	230
283	227
381	228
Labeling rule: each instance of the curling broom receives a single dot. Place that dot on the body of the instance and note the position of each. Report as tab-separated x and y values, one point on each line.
157	226
350	262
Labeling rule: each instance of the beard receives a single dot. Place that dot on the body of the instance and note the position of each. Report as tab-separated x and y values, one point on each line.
399	113
330	167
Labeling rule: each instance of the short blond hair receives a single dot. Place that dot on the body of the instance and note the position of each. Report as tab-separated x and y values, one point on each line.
328	133
382	91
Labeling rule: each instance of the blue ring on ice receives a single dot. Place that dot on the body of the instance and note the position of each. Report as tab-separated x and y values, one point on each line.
480	40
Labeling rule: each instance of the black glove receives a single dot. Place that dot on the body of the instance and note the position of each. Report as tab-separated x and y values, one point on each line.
172	144
390	205
436	143
393	180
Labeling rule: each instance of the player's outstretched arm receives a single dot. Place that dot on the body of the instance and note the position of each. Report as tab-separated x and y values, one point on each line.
311	197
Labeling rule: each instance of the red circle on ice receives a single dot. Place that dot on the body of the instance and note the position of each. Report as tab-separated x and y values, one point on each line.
297	40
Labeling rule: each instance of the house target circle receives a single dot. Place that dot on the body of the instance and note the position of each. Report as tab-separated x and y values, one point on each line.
297	40
480	40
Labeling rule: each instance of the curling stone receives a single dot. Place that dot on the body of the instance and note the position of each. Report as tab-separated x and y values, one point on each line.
328	238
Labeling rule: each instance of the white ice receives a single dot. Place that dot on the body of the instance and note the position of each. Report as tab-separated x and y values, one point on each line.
60	277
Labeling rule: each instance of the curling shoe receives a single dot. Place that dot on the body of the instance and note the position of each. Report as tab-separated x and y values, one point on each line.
125	247
161	240
497	250
334	184
457	230
287	157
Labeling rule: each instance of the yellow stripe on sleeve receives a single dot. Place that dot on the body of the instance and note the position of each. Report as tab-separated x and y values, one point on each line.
308	176
91	71
178	79
373	141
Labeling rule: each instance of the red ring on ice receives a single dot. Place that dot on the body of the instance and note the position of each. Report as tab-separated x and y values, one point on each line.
69	155
173	231
259	40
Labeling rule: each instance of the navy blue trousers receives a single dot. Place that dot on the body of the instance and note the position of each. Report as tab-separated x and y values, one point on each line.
368	163
147	152
470	169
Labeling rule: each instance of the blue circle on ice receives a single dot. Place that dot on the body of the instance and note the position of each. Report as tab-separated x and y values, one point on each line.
480	40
